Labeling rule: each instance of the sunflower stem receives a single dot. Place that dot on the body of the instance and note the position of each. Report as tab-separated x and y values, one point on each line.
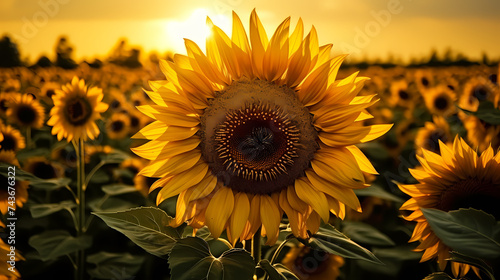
280	247
256	249
28	137
80	257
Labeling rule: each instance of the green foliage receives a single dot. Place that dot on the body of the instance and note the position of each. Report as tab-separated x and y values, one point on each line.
378	191
483	266
191	258
117	189
277	271
46	184
41	210
146	227
366	234
469	231
332	241
114	266
486	112
53	244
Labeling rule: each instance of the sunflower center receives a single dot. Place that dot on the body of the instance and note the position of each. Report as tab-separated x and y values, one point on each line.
78	111
134	121
257	137
425	82
117	126
44	170
403	94
441	103
312	262
8	143
472	193
480	93
433	140
26	115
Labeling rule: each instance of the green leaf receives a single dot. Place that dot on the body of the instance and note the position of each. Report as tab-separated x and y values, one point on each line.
117	189
47	184
378	191
486	112
52	244
145	226
332	241
285	272
277	271
461	258
114	266
41	210
191	259
116	156
469	231
100	177
111	205
438	276
366	234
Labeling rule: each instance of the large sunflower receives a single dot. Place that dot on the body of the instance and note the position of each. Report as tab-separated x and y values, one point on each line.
254	128
458	178
76	107
26	111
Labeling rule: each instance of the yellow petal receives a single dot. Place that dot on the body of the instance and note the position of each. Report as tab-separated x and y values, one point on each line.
363	162
180	182
219	210
270	217
316	199
259	41
239	216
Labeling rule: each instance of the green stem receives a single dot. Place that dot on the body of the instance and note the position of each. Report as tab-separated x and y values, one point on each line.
28	137
93	171
80	273
256	249
98	206
280	247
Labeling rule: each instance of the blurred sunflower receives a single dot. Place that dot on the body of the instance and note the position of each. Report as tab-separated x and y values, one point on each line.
134	165
42	168
21	187
5	273
5	98
26	111
117	126
76	107
424	79
458	178
481	134
440	100
48	90
476	89
261	124
401	95
12	138
428	137
310	264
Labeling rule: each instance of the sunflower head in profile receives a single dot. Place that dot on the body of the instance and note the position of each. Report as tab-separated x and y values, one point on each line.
458	178
117	126
440	100
21	187
428	137
76	108
12	139
26	111
252	129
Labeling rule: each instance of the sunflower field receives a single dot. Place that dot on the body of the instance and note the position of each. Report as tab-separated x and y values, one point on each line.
264	156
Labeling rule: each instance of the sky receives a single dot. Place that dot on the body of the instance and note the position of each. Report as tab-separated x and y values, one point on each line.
362	28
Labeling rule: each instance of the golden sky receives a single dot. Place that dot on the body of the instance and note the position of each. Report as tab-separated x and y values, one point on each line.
364	28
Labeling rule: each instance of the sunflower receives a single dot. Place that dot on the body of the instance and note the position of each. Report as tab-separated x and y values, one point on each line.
424	80
5	98
310	264
440	100
76	107
26	111
48	90
21	187
428	137
5	273
12	138
476	89
401	94
254	128
134	165
458	178
42	168
117	126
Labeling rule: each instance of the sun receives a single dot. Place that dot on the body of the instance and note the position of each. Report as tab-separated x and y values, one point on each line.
194	28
